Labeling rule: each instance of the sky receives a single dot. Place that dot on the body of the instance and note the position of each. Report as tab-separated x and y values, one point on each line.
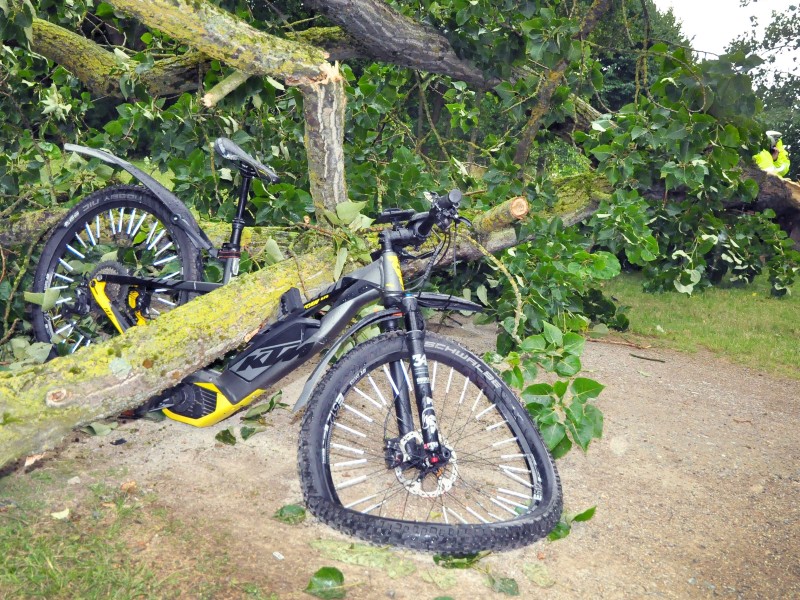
711	24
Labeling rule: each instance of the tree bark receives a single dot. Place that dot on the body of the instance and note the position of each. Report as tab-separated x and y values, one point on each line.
219	34
391	37
39	406
324	102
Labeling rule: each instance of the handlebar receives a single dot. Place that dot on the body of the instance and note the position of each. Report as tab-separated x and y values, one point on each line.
443	208
443	211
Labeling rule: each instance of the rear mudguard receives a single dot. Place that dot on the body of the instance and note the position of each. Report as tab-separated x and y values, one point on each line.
424	300
181	216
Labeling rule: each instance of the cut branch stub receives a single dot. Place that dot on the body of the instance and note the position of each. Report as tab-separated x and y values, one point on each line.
501	216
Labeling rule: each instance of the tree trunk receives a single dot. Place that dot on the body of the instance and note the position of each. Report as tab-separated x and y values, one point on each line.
39	406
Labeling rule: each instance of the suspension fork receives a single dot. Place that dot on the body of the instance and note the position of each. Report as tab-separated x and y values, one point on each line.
401	397
421	379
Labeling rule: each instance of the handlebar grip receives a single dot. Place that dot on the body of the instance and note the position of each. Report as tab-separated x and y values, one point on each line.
446	202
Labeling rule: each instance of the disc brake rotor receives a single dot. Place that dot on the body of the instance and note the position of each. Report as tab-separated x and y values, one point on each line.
431	482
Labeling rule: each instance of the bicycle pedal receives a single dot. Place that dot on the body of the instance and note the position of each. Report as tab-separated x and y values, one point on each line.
291	301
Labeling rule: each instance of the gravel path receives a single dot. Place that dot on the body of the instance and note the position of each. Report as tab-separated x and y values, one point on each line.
696	483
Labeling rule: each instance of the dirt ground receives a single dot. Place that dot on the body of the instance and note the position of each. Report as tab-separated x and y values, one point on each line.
696	483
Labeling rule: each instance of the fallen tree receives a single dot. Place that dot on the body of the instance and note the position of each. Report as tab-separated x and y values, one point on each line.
40	405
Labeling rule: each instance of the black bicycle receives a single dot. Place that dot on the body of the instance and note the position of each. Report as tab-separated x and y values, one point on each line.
409	438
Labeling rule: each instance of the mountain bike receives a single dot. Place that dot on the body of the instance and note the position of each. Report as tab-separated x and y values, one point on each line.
408	438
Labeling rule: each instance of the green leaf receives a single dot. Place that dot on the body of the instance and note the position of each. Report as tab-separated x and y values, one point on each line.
553	434
46	300
99	429
562	448
537	574
247	432
560	531
538	393
560	388
291	514
462	561
533	343
586	423
482	296
514	378
364	555
444	580
327	583
273	252
585	389
341	258
598	331
254	413
504	585
574	343
226	437
585	515
5	290
39	352
347	211
553	334
275	83
568	366
104	10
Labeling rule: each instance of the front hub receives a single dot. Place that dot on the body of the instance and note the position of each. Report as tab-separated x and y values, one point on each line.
423	472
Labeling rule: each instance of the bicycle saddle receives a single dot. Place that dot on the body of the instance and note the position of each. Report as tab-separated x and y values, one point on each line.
229	150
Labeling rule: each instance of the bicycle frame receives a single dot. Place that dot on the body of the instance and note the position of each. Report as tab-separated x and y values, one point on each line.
303	332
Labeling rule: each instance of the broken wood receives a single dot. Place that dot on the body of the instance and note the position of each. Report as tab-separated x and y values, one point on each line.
324	102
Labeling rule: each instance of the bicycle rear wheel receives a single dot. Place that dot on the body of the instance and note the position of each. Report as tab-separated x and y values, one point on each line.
499	490
122	230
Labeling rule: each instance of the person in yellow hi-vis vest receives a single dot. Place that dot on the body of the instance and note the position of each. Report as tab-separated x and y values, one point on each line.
776	159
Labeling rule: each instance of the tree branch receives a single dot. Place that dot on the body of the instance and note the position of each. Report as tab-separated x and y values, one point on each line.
391	37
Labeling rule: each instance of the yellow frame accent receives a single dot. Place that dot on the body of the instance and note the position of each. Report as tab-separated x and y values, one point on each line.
223	409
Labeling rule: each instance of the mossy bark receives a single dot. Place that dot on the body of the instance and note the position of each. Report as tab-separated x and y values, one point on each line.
89	62
219	34
99	69
39	406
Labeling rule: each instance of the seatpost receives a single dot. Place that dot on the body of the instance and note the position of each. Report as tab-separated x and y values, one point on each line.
232	250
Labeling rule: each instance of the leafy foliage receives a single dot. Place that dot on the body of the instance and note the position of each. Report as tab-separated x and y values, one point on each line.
564	526
689	136
563	409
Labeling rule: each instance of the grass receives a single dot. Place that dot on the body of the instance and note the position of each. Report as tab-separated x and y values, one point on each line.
743	325
103	548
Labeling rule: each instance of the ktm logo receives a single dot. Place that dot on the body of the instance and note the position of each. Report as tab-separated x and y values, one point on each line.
261	359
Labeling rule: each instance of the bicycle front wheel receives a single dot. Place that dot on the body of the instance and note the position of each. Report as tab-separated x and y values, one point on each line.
499	489
122	230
